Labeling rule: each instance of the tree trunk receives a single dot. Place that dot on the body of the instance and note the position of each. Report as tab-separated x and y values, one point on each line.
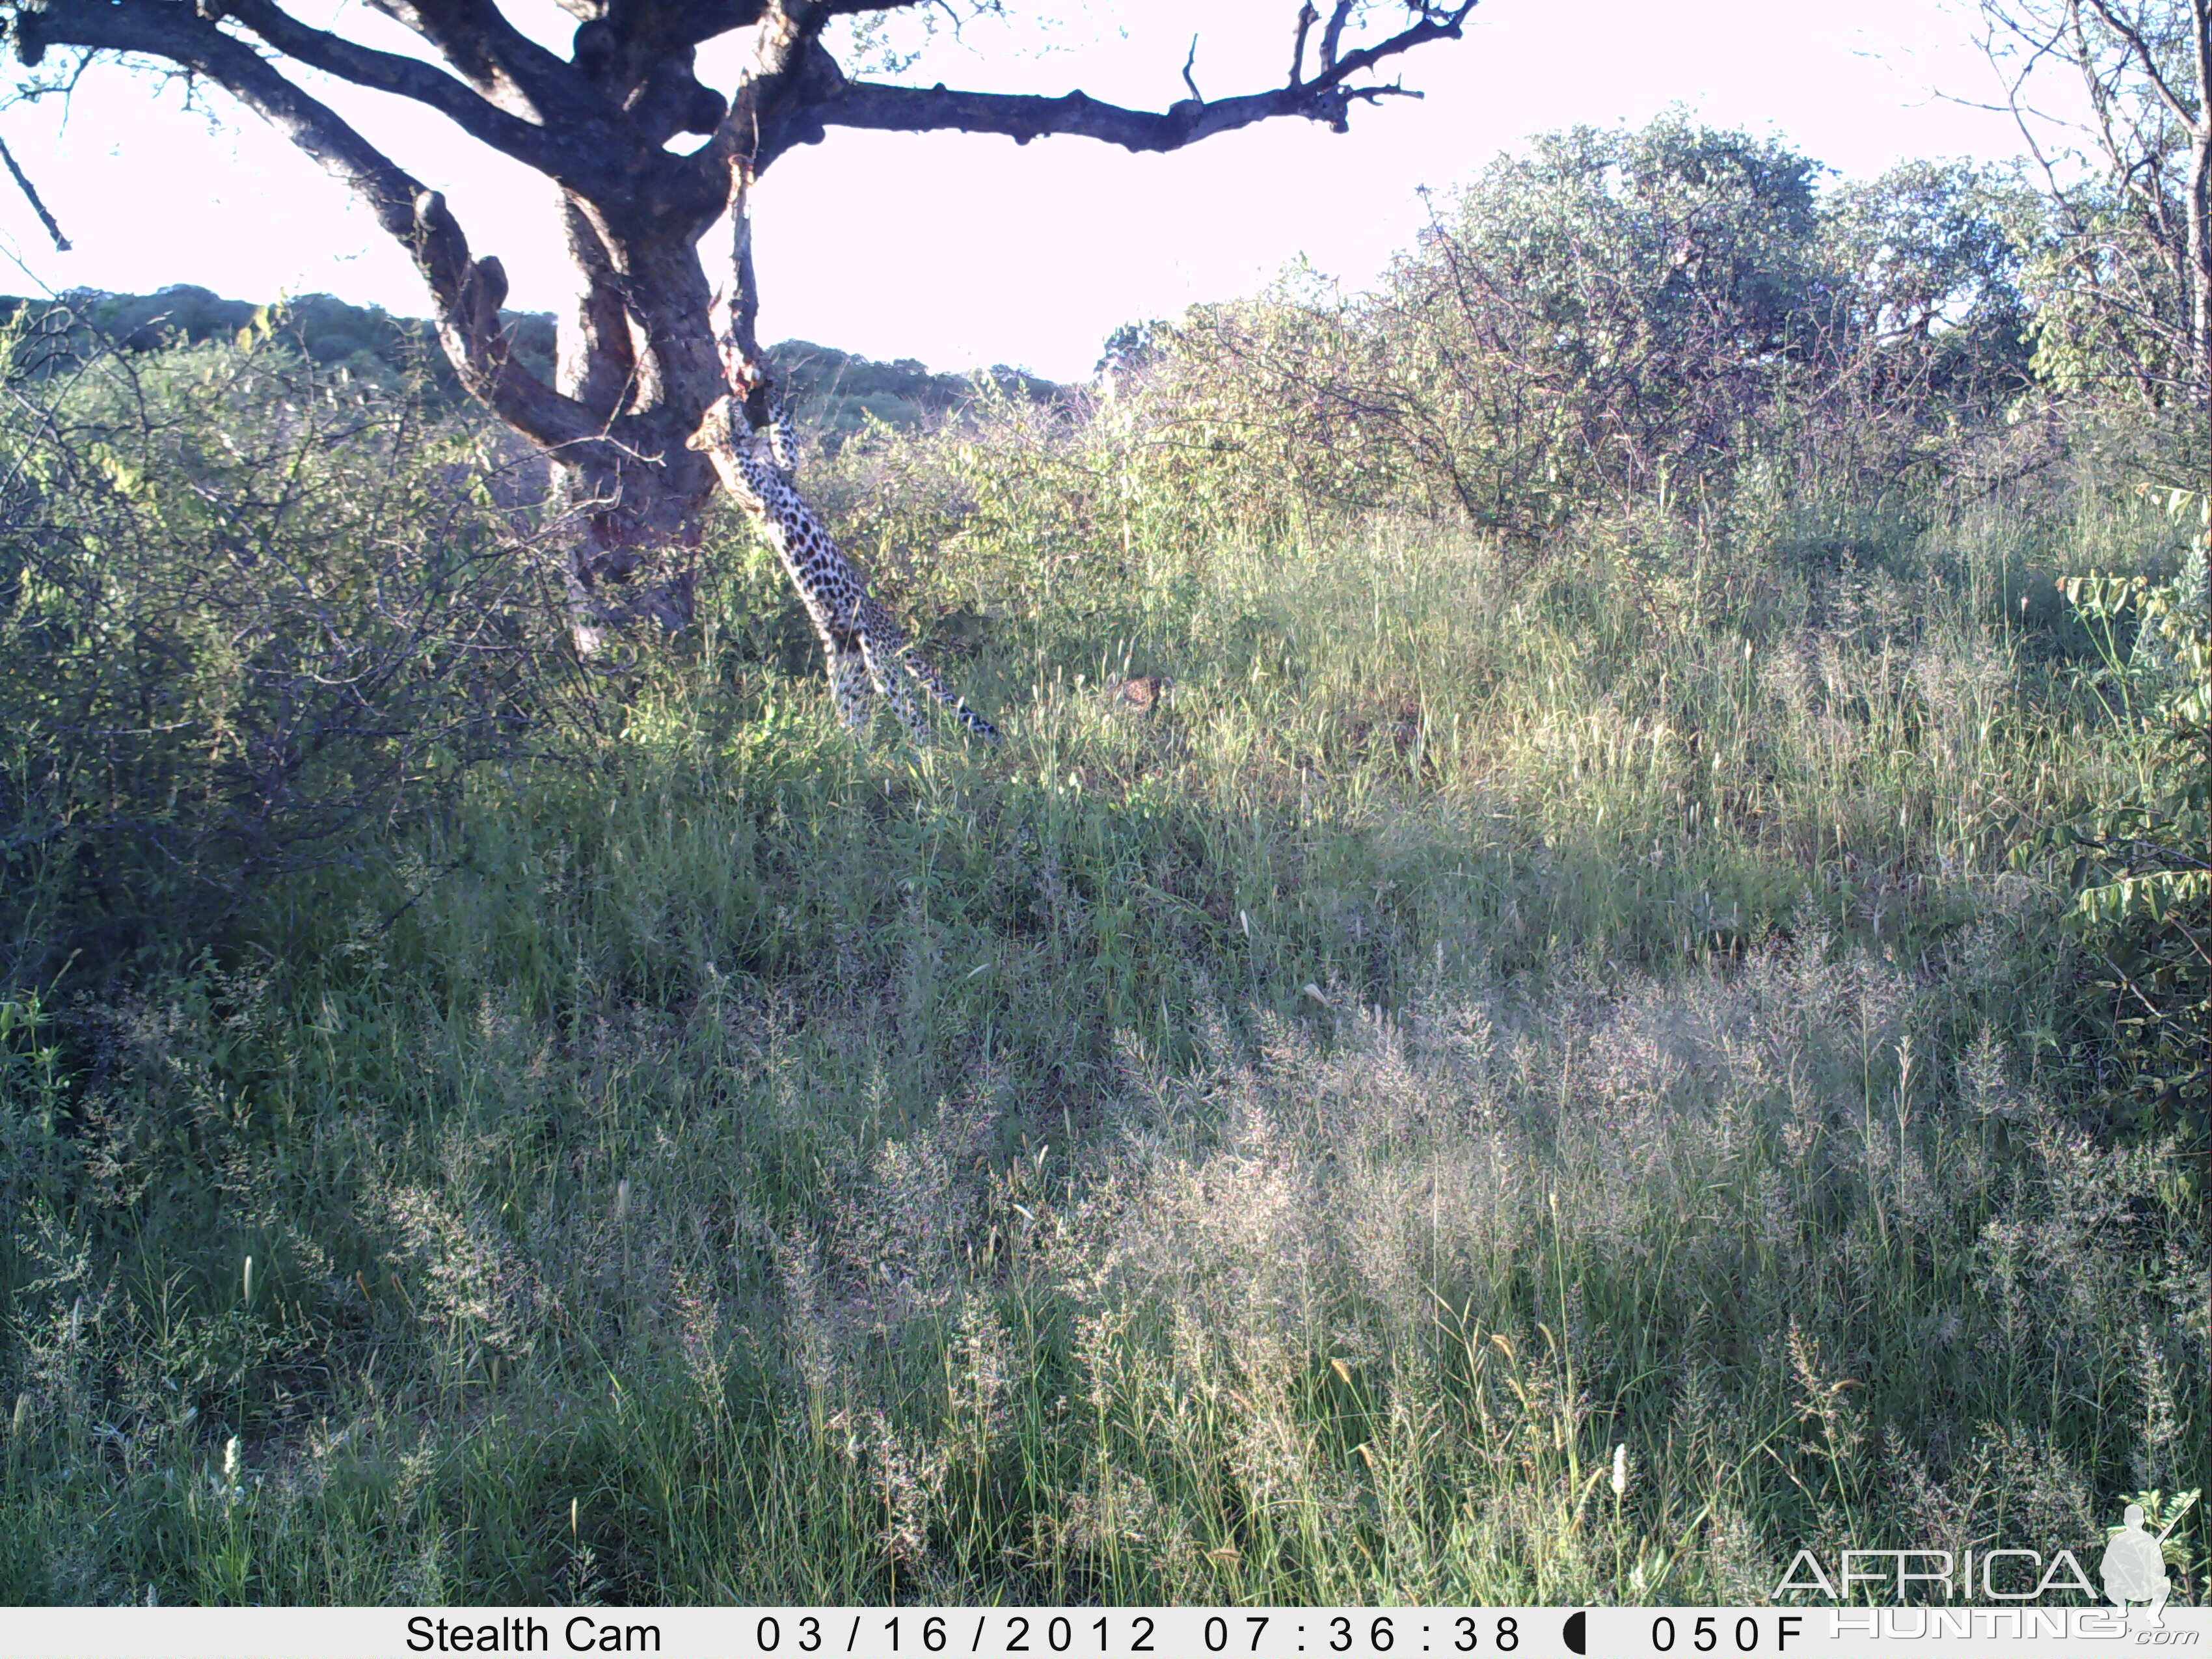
2199	211
637	349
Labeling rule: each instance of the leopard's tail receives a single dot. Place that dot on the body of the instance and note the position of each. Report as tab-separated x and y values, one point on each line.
935	684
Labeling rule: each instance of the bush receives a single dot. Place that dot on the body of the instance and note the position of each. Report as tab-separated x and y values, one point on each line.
2140	869
246	607
1621	320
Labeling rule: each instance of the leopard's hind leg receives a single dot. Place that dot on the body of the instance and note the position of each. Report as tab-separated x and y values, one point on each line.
852	685
884	648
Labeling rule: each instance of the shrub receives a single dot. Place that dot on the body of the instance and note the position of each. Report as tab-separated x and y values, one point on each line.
245	608
2140	871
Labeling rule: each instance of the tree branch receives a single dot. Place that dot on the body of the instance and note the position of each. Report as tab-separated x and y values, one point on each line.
502	62
182	35
31	195
789	73
179	35
1327	97
1331	33
1307	18
2147	61
466	293
1022	118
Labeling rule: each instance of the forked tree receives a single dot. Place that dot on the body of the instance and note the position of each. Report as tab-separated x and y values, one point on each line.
647	160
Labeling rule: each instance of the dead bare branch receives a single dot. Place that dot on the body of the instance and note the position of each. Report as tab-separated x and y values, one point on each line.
31	195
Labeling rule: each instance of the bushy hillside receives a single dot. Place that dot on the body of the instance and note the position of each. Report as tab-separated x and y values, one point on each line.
837	393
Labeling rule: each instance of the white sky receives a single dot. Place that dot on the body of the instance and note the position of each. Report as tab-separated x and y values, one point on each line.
963	250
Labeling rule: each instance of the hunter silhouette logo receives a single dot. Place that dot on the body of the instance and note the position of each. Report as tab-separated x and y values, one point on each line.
2134	1567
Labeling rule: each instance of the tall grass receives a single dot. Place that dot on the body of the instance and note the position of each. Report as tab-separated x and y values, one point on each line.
1487	1025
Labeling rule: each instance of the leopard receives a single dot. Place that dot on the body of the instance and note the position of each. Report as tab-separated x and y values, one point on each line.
868	651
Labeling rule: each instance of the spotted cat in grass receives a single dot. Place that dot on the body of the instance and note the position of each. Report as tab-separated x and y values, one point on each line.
867	650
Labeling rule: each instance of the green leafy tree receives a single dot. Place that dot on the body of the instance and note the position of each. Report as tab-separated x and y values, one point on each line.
247	606
2142	867
1608	308
1926	283
1626	316
2121	272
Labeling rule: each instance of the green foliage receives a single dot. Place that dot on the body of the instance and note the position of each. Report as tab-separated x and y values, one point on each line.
1924	269
1440	996
2140	867
839	393
246	606
1087	518
37	1155
1620	318
2162	1518
2114	267
2109	314
1653	282
762	1167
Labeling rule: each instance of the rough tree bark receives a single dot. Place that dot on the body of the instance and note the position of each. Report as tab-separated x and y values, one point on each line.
651	344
